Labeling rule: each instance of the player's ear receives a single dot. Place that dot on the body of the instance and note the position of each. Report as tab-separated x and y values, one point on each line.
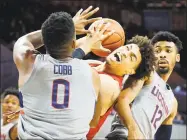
177	58
74	44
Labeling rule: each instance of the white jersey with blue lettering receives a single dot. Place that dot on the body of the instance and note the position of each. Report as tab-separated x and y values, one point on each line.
58	100
152	106
5	130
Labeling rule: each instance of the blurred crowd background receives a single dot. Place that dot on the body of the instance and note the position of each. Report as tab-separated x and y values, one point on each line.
143	17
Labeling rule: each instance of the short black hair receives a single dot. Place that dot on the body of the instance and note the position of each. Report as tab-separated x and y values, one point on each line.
147	53
10	91
167	36
58	31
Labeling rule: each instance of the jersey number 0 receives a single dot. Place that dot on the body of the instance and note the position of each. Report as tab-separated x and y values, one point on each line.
55	92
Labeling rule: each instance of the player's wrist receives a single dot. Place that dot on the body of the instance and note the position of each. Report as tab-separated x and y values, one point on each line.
84	44
86	49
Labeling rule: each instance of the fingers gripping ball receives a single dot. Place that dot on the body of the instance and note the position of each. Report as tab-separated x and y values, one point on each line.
116	40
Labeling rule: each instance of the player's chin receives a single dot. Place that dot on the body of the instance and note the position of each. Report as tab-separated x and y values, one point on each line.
113	62
163	70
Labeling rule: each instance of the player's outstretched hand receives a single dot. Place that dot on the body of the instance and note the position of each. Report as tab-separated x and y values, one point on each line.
96	36
81	19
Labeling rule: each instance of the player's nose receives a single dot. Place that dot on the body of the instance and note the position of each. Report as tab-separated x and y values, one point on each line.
162	55
126	53
9	105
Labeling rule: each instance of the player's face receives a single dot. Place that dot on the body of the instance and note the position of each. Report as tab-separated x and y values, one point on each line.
10	104
167	55
124	60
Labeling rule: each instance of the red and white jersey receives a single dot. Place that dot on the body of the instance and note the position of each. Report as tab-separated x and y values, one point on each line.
93	131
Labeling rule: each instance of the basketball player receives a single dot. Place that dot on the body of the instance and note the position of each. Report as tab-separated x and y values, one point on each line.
10	104
154	106
134	58
54	99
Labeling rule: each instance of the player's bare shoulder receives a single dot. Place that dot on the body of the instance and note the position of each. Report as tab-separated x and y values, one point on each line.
109	84
110	89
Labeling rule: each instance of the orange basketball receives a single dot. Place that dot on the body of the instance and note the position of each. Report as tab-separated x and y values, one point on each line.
116	40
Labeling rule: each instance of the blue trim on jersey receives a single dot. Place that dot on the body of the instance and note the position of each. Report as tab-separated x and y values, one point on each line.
20	99
78	53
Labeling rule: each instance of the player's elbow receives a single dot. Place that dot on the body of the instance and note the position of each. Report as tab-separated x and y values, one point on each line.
122	102
18	43
124	99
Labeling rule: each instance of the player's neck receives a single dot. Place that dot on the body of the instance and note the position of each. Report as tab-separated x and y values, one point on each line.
65	58
61	55
165	77
110	70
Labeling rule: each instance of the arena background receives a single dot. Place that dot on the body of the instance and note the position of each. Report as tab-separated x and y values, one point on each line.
143	17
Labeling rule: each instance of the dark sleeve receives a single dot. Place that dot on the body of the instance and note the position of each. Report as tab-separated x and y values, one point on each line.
163	132
78	53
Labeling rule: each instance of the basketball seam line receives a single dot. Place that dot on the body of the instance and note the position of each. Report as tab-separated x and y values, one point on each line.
116	41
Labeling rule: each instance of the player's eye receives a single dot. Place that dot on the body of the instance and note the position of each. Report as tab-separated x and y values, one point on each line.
14	103
169	51
157	51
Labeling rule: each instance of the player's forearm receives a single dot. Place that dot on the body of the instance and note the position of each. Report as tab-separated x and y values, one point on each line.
32	40
35	38
80	43
81	50
124	111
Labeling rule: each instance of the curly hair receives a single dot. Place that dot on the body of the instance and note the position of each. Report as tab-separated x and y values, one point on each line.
58	31
167	36
147	54
10	91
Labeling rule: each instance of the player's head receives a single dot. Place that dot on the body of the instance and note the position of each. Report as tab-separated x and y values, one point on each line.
137	58
10	100
58	34
166	47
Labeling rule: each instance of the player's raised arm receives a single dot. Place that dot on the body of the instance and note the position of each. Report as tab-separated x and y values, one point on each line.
25	48
165	130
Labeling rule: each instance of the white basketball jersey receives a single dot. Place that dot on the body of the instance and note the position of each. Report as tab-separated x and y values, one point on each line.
152	106
58	100
5	130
